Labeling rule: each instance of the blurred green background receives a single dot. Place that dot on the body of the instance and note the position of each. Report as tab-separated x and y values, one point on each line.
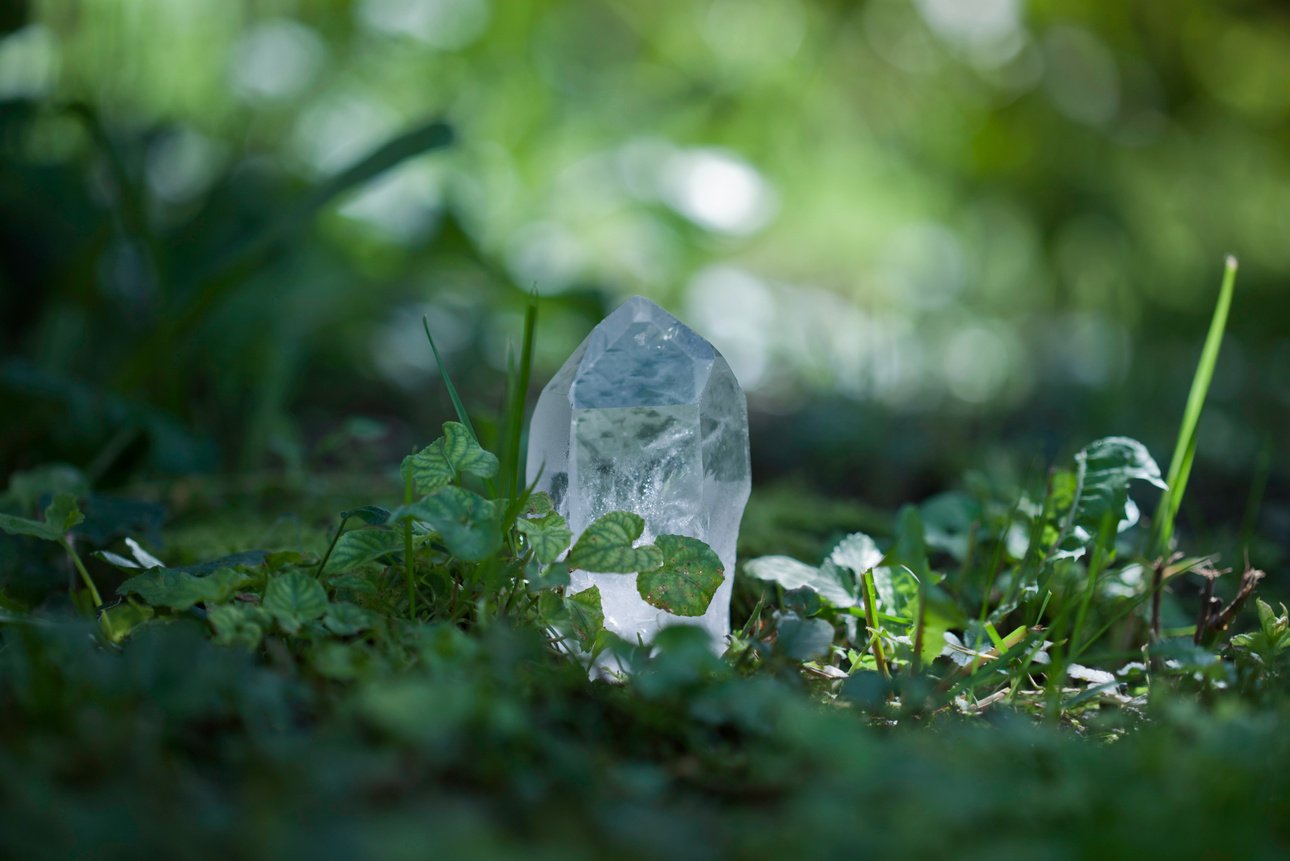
929	236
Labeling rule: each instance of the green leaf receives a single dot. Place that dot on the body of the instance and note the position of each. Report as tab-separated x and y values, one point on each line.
345	619
686	581
1103	471
446	459
470	526
802	639
295	598
165	587
372	515
60	516
238	624
606	546
359	546
119	622
539	503
586	615
792	574
549	535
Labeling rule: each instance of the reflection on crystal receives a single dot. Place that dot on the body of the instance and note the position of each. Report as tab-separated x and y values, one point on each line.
646	417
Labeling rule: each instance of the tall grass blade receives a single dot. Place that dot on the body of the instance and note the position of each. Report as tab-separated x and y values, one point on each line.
457	405
517	394
1185	447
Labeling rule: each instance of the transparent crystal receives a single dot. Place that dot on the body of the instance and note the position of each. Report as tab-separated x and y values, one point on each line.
647	417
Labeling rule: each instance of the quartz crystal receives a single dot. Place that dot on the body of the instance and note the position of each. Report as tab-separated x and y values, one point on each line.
647	417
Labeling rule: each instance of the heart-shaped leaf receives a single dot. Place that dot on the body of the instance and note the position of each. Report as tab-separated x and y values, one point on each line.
293	599
605	547
548	535
358	546
469	525
447	458
686	581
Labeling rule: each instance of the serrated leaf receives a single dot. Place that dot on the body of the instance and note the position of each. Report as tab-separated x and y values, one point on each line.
345	619
469	525
293	599
238	624
606	546
548	535
359	546
448	458
60	516
686	581
178	590
792	574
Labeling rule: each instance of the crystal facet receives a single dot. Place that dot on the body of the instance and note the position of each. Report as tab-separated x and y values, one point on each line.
647	417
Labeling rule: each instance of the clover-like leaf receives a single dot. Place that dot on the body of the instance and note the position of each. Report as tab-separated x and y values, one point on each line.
686	581
60	516
470	526
293	599
447	458
605	547
358	546
179	590
548	535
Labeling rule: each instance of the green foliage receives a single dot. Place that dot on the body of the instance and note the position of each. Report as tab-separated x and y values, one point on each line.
444	461
548	535
686	580
177	590
607	546
468	524
359	546
1098	489
60	516
293	599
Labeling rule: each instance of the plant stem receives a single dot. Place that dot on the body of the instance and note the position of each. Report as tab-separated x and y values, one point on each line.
871	622
85	575
408	566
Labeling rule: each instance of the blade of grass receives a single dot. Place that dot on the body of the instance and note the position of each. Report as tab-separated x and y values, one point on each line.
1185	446
457	405
871	622
517	394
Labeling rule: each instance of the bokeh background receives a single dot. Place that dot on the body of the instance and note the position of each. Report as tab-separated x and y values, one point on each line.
931	236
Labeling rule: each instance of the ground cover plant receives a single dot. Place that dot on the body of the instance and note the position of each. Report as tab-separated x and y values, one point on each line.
396	668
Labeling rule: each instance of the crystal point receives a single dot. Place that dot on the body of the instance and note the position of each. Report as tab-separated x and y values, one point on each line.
647	417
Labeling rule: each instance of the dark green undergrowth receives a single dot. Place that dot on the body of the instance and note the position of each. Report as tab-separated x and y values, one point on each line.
394	665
